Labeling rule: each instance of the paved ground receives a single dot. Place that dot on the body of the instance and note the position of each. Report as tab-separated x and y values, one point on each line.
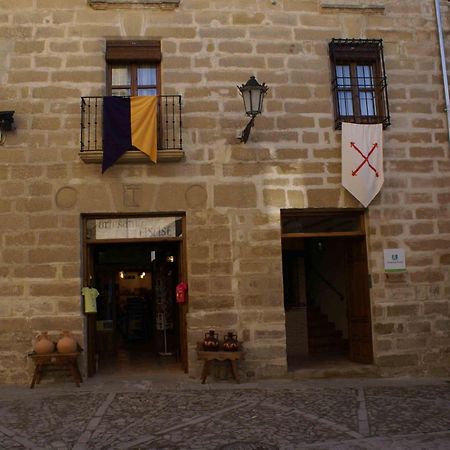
160	413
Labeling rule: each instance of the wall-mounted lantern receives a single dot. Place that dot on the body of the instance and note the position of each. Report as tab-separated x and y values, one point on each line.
253	95
6	124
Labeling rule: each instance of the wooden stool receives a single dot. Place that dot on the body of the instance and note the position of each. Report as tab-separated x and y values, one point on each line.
67	360
230	357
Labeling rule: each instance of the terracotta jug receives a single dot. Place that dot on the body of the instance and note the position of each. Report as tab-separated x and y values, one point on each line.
66	343
211	341
230	342
43	344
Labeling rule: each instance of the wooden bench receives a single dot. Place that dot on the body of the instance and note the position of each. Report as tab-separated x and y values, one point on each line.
208	357
66	360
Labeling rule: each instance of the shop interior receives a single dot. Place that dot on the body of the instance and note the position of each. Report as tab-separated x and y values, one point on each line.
137	322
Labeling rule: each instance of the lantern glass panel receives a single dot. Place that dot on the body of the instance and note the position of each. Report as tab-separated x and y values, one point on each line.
256	98
261	99
252	101
246	95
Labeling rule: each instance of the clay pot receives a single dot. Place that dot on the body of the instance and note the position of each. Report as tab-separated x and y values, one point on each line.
66	343
43	344
230	342
211	341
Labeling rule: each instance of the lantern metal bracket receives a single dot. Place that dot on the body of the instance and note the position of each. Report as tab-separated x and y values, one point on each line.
243	137
6	124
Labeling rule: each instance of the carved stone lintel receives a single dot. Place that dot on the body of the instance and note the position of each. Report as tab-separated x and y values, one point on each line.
374	5
110	4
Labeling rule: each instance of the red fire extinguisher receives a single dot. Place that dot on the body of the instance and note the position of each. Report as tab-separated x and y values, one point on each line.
181	291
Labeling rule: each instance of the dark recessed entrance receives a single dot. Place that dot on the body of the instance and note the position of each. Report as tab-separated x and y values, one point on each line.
326	291
138	327
137	318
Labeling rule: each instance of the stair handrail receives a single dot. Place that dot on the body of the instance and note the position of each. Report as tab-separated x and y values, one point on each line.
327	282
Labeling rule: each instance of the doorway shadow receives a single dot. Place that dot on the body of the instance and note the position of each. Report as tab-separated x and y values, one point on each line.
137	358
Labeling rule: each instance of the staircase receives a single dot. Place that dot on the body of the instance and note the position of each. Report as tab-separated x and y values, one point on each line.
323	337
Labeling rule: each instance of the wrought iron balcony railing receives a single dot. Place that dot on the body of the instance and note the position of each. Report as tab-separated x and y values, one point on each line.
169	125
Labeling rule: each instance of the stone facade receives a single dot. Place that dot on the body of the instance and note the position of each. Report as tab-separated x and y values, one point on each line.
52	53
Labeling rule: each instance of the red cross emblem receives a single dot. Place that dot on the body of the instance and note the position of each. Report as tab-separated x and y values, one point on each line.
366	159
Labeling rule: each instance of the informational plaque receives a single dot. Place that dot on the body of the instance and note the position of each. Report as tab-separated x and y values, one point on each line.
394	260
134	228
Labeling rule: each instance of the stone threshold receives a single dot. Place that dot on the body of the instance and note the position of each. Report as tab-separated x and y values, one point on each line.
350	370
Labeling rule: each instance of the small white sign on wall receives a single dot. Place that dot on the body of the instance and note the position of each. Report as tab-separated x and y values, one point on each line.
394	260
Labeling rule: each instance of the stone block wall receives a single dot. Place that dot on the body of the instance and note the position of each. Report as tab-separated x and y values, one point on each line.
52	53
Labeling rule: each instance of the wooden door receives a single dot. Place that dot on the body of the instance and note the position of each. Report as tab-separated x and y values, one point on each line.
91	319
358	302
183	338
182	309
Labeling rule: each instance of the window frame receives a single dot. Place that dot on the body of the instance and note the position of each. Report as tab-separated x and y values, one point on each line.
133	54
356	53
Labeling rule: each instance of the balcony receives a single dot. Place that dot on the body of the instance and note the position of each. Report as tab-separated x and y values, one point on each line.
170	142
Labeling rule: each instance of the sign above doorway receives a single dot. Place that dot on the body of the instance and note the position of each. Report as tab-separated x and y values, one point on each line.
133	228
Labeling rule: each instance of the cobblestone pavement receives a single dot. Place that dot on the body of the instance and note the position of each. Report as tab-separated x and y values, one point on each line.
344	414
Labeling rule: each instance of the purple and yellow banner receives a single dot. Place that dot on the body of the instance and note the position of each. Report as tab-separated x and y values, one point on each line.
128	122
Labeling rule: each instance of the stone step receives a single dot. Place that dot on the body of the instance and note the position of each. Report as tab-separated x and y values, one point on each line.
334	338
329	330
328	347
348	370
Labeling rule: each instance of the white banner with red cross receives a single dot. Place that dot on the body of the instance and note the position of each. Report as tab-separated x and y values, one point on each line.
362	160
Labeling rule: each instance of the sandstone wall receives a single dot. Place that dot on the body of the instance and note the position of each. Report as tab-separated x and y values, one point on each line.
52	53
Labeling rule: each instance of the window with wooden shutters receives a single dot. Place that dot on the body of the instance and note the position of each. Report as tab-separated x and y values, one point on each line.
133	67
359	81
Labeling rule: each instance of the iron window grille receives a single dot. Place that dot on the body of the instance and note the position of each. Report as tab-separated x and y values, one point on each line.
359	81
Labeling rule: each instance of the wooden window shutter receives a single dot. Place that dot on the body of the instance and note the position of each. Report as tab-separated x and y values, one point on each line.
135	51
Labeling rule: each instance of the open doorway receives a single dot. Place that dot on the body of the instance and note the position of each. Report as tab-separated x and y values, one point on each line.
137	316
326	291
135	263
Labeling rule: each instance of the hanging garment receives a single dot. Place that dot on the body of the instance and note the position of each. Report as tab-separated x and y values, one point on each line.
90	299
